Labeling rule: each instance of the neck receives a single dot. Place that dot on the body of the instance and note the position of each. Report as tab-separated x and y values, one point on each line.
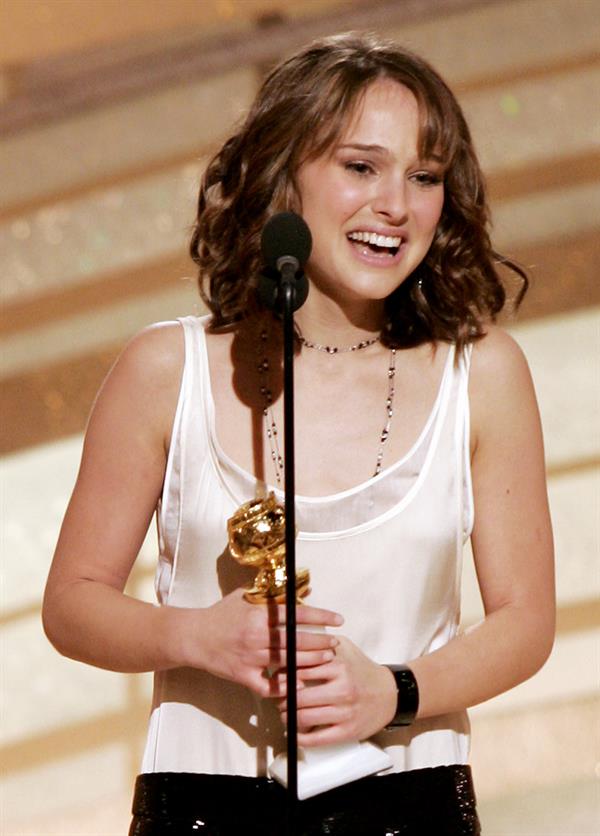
323	320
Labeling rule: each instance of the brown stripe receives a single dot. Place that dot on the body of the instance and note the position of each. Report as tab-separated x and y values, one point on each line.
578	616
141	572
53	401
568	468
549	174
129	726
524	72
62	86
104	289
564	275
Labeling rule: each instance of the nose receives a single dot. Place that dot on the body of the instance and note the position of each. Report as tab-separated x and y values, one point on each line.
391	200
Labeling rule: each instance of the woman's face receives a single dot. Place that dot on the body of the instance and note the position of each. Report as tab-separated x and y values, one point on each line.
371	203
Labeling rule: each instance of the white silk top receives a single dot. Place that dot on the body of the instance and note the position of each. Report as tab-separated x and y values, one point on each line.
386	554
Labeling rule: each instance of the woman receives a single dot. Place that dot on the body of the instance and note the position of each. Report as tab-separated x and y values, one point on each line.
416	427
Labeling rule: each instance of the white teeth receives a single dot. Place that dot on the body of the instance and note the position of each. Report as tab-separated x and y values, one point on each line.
374	238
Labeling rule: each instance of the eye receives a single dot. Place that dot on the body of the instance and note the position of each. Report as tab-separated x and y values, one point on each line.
427	178
359	167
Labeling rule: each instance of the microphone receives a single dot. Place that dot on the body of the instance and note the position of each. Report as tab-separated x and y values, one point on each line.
286	244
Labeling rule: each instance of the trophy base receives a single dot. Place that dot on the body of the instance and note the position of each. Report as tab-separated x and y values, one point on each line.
327	767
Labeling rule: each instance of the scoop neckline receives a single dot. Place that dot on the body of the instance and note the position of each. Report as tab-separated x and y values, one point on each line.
221	454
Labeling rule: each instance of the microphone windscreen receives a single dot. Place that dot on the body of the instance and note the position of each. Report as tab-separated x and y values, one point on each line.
286	234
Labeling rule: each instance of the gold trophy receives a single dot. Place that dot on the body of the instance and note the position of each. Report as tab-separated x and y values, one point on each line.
257	538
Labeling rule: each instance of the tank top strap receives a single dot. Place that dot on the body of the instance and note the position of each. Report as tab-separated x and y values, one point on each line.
189	442
196	379
463	439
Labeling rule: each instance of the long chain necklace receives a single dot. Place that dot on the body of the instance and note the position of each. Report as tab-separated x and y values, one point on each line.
389	409
267	395
269	418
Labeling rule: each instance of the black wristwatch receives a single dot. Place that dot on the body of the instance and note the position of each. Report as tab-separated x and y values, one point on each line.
408	696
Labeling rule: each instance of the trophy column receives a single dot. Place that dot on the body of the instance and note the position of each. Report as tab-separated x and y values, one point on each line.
257	538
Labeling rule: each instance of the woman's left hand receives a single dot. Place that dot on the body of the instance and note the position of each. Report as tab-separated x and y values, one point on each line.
349	698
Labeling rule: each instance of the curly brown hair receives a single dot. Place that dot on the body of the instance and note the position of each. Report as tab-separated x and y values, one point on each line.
301	109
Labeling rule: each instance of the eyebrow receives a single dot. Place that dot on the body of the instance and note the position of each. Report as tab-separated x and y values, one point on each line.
379	149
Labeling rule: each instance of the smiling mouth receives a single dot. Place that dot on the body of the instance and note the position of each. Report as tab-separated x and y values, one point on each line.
383	245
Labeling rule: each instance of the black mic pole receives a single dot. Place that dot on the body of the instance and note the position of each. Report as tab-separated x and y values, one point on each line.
288	292
286	245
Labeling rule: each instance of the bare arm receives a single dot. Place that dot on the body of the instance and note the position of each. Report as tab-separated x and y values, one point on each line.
512	542
513	552
86	614
116	492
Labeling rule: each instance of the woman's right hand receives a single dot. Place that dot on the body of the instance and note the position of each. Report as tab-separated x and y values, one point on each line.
246	643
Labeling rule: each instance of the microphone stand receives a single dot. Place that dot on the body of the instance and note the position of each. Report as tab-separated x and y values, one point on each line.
284	234
288	288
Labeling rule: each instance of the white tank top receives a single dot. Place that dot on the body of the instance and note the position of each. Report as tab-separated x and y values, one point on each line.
386	554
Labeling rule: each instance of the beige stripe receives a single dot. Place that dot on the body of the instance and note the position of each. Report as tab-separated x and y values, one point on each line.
120	178
97	328
542	745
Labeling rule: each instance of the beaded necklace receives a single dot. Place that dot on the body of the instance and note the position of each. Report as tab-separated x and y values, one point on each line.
267	395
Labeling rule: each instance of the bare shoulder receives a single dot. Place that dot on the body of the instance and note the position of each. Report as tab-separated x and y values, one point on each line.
145	380
156	352
500	386
498	365
496	353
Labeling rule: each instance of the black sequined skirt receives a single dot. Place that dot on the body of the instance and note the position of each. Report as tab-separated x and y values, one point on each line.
439	801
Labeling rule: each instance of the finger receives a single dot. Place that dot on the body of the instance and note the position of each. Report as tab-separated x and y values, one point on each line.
315	641
311	697
270	685
311	719
264	688
313	659
321	673
304	640
307	615
315	615
319	695
325	715
275	659
323	736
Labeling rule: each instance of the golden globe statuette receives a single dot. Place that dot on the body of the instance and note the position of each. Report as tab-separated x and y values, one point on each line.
257	538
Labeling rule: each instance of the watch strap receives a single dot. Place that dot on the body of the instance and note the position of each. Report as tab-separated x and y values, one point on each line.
408	696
